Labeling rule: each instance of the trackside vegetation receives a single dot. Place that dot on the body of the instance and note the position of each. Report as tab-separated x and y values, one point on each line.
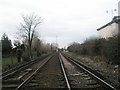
108	48
27	45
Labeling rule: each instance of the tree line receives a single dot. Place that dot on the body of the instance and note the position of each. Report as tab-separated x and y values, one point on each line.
28	45
19	49
108	48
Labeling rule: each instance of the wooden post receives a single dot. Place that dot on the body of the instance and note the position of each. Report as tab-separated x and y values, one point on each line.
11	57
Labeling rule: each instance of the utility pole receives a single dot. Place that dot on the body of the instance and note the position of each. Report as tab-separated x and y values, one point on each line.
56	40
118	37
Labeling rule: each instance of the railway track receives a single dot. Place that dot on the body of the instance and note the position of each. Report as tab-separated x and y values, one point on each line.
56	71
50	76
13	79
91	81
14	70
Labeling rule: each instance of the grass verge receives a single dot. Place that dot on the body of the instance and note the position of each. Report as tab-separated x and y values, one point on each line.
8	60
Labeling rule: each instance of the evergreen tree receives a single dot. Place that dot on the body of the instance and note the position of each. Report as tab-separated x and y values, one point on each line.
6	45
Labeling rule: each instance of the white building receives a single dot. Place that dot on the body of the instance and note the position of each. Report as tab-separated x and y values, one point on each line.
110	29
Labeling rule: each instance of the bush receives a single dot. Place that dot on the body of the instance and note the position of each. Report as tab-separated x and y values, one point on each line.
109	48
25	57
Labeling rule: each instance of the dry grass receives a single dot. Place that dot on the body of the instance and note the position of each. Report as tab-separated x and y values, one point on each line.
100	65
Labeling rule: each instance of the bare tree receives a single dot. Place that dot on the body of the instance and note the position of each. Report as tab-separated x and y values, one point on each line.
27	29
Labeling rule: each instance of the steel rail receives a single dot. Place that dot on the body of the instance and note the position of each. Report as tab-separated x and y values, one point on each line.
33	74
90	73
14	68
18	68
64	72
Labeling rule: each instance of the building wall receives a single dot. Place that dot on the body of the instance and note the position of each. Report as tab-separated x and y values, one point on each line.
109	31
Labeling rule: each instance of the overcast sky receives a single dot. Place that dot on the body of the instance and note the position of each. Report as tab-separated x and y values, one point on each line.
68	20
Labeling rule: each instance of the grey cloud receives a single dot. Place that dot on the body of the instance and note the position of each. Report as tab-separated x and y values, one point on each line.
70	20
